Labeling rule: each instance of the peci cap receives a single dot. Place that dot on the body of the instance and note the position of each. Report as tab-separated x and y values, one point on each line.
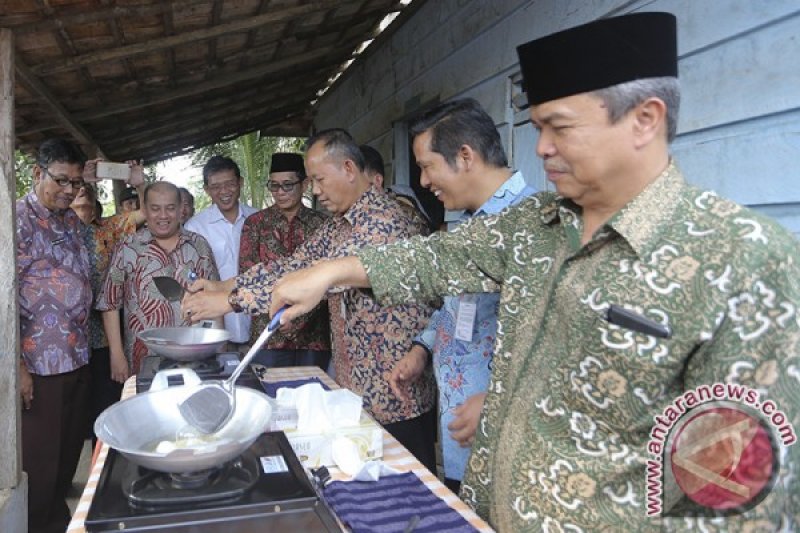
599	54
286	162
128	194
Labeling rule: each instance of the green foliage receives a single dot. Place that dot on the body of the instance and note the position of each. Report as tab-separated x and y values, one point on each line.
253	154
23	169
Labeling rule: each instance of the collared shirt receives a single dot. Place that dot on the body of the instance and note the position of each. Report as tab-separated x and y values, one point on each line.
101	237
367	339
54	291
562	443
224	236
129	283
268	236
462	361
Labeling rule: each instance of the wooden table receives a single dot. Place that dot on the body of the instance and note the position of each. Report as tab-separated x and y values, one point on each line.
394	454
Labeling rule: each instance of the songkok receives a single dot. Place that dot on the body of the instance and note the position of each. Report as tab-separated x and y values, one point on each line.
286	162
599	54
128	194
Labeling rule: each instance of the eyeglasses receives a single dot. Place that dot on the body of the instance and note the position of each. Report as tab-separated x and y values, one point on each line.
286	187
228	185
64	181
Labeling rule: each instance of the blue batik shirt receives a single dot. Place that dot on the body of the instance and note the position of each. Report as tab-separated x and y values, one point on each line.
462	359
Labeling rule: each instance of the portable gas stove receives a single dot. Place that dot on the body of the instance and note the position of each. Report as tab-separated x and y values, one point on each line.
265	489
219	366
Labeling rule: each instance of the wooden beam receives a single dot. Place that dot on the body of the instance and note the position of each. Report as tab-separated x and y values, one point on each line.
248	97
254	98
206	135
169	29
66	45
251	35
86	16
61	114
274	128
220	81
216	13
224	125
151	45
208	117
119	40
10	438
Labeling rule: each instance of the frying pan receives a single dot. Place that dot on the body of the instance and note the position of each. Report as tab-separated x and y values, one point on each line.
184	343
135	426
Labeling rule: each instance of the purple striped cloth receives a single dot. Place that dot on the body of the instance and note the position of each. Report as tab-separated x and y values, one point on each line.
272	388
390	503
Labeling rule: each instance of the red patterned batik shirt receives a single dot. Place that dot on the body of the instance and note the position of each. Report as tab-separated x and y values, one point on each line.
129	283
269	236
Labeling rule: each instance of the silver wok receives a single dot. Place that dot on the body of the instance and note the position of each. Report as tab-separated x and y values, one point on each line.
184	344
135	426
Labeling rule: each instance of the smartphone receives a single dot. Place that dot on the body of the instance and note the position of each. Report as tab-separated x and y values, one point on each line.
114	171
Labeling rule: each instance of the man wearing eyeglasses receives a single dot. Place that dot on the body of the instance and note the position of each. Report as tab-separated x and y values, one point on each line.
274	233
221	225
55	297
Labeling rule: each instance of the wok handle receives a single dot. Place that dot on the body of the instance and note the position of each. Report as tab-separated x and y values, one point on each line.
262	339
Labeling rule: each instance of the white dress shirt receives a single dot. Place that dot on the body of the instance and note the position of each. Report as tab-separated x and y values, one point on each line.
224	237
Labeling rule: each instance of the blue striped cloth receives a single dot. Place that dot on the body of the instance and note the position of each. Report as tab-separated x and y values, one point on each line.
389	504
272	388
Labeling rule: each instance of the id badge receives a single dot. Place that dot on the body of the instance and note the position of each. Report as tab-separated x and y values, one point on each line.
465	320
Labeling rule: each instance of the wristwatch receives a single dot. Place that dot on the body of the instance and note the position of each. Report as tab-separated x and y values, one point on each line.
233	301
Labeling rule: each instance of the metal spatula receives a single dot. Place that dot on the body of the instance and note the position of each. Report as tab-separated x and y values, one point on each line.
210	407
169	288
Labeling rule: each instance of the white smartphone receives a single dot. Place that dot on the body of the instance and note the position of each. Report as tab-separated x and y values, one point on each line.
114	171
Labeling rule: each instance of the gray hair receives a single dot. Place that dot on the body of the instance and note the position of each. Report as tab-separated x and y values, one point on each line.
621	98
338	144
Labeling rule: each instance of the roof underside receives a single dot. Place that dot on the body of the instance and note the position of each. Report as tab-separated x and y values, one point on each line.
152	79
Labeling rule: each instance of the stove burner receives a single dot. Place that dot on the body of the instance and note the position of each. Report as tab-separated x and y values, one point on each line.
194	480
220	366
280	499
146	489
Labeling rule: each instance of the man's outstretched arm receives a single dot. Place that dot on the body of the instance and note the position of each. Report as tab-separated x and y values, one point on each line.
302	290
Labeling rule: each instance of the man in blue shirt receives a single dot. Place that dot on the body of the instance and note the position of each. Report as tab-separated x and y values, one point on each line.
462	161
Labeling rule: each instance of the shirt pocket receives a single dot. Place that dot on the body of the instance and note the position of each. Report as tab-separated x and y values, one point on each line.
617	373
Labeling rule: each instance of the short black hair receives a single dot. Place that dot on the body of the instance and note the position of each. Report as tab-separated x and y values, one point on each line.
219	163
373	162
184	190
59	150
338	143
461	122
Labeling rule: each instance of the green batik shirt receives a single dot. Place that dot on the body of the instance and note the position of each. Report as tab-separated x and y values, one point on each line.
562	441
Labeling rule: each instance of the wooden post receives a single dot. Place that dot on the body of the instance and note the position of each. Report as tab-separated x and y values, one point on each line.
10	437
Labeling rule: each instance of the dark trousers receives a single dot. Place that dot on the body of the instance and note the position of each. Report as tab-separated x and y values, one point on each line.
418	435
53	431
279	358
453	484
104	390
